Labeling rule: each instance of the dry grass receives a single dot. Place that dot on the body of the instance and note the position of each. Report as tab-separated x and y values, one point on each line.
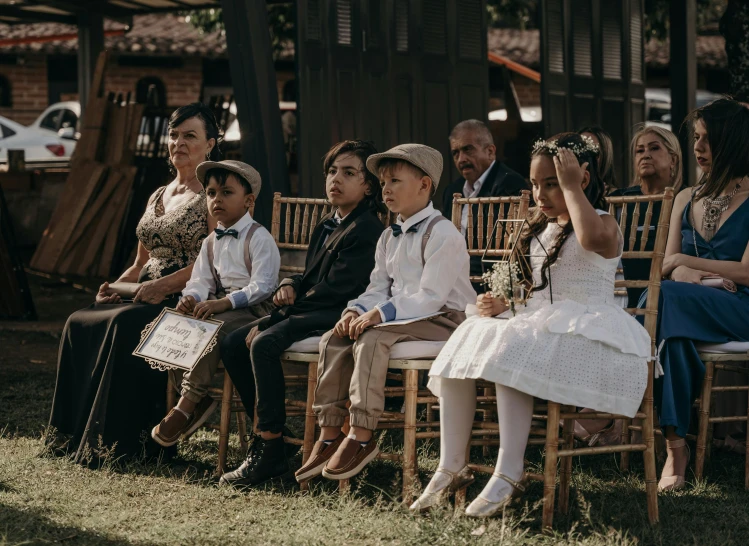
50	500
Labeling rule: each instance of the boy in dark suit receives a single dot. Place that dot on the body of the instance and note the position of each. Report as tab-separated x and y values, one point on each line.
483	175
338	265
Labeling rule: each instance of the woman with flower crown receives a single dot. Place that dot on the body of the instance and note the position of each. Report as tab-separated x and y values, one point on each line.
708	244
574	346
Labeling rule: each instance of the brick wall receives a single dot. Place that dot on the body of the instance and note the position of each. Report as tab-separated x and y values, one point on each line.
28	81
529	92
183	84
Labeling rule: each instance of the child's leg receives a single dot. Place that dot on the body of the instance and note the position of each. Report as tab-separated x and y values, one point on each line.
334	372
265	354
457	412
514	412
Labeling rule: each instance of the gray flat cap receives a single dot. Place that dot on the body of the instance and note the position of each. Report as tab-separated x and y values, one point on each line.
427	159
242	169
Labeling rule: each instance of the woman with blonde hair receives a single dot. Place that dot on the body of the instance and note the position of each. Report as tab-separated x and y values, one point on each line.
656	163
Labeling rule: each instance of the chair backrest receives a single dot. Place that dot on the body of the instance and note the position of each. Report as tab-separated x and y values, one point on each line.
483	213
629	222
293	221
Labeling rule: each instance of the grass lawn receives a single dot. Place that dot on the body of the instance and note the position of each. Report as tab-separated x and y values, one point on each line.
49	500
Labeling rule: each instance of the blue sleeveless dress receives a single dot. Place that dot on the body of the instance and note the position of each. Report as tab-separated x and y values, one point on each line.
691	313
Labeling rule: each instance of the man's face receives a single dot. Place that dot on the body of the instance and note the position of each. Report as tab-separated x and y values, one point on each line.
471	155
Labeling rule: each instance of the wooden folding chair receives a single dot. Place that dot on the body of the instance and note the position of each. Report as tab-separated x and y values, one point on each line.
732	356
632	249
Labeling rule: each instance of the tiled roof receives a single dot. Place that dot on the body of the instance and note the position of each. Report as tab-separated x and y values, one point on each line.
523	46
169	34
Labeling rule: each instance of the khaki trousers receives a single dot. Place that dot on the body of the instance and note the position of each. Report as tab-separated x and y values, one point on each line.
195	383
356	370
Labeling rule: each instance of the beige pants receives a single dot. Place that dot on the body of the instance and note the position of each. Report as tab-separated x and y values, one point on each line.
195	383
357	370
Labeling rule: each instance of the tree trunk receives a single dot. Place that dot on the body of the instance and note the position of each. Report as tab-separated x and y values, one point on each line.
734	26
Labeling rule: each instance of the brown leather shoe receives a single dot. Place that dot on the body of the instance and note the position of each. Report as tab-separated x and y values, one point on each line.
321	454
168	431
350	459
200	415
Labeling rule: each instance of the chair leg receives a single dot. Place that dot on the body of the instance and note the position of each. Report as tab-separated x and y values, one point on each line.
746	456
411	384
171	394
651	483
224	424
550	464
309	418
242	428
704	420
565	470
626	438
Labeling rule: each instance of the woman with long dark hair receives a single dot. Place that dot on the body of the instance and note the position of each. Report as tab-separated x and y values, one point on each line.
104	395
708	243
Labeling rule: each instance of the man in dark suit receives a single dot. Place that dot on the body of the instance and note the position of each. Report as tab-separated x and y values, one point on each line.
483	175
339	261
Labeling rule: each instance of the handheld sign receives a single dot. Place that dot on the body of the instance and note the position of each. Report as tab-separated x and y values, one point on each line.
176	341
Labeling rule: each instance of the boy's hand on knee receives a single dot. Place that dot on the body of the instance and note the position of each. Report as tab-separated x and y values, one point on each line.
362	322
186	305
205	309
341	328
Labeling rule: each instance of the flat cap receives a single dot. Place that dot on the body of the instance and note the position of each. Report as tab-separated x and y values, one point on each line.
242	169
425	158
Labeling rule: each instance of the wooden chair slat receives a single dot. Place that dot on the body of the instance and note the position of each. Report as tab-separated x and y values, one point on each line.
297	213
287	227
646	230
305	224
634	226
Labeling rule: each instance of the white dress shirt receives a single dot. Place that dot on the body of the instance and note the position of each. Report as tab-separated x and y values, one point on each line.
468	192
402	286
242	289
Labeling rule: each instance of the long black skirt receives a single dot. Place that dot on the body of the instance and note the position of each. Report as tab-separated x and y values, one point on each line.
104	395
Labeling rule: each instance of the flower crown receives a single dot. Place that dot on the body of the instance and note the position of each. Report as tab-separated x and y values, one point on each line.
552	146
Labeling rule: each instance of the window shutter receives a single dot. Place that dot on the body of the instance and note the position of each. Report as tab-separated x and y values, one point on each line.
612	41
469	29
555	34
581	42
401	26
343	22
435	20
313	23
635	42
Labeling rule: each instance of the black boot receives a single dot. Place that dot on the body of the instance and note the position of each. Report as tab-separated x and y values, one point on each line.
266	459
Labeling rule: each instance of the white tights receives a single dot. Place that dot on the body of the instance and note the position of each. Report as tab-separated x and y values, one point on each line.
457	411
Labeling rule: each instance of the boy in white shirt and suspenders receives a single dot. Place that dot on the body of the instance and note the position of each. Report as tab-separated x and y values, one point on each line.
421	268
232	280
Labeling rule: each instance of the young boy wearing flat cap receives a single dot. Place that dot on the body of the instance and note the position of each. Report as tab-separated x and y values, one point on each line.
421	268
232	280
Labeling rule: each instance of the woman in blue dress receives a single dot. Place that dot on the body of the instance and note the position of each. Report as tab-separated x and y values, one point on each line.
709	236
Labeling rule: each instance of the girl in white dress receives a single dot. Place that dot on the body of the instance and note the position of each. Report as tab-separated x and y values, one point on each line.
581	350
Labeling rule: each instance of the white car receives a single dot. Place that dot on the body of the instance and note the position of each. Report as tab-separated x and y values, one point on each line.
37	146
60	119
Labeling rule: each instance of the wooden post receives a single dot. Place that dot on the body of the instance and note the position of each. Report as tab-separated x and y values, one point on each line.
565	471
90	44
225	423
309	418
254	80
683	76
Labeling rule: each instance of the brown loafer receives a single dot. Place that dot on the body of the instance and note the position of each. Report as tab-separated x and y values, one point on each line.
200	415
321	454
350	459
168	431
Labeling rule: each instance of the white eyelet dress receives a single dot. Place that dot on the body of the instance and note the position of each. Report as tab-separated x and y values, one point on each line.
582	350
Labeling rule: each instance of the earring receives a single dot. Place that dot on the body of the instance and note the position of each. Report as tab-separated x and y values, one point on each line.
207	156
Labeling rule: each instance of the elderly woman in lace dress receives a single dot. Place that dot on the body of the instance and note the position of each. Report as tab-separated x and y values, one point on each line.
104	395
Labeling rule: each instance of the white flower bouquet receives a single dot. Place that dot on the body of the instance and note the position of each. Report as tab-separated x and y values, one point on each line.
504	282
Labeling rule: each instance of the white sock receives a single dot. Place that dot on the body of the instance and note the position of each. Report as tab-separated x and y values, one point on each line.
457	412
515	412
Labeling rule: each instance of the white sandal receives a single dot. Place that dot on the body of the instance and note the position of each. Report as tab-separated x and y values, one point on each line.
482	508
458	480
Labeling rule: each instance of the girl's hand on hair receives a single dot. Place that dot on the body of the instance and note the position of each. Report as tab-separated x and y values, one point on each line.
569	171
362	322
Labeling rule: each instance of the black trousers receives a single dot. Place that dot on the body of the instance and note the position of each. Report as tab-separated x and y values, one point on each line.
257	373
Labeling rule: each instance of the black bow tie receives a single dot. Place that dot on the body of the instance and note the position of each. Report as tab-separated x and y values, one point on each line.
330	225
398	230
224	232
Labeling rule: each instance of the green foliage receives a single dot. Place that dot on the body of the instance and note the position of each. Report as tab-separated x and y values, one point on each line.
657	16
280	24
521	14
